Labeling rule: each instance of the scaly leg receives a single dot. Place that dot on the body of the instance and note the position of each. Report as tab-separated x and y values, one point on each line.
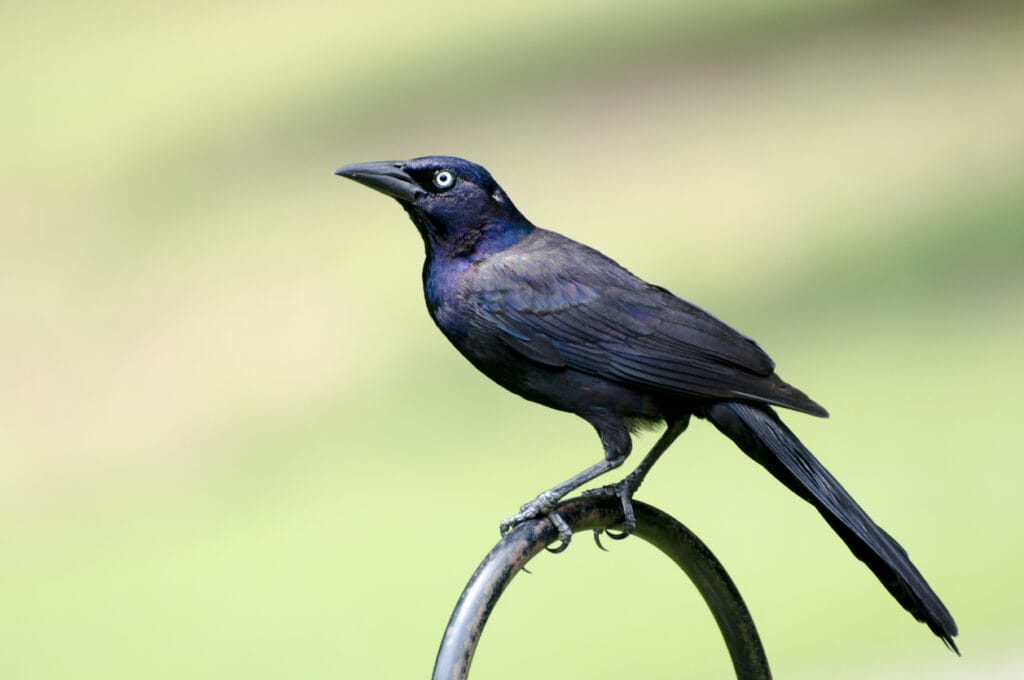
543	503
628	486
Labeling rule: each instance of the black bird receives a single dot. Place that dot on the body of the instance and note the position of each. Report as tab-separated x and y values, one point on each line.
560	324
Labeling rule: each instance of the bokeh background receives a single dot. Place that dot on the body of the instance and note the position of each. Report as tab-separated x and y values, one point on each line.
234	445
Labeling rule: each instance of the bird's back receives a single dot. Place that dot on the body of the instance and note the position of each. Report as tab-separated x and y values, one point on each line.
565	304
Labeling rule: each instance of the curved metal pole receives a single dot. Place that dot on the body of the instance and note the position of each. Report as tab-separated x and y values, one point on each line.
598	512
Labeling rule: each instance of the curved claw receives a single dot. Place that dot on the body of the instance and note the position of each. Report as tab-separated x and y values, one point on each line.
564	533
624	534
561	548
624	492
529	512
615	536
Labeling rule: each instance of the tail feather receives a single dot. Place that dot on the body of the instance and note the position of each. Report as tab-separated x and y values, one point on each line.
761	434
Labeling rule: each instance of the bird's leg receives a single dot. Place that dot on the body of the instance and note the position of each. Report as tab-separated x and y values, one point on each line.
628	486
543	503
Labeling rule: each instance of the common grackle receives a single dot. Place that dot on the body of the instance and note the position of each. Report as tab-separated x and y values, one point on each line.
560	324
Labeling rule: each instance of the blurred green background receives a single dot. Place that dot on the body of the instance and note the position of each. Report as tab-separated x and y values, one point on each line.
234	445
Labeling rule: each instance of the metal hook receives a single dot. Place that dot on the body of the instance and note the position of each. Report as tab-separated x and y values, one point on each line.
588	513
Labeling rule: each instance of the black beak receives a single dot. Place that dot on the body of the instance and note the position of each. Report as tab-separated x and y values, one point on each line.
386	177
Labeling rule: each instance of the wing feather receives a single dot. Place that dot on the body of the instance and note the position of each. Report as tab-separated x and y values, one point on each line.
560	304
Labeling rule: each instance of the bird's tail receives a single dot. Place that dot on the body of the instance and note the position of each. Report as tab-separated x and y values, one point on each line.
762	435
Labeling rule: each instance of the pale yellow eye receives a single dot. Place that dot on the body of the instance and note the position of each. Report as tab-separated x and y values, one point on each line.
443	179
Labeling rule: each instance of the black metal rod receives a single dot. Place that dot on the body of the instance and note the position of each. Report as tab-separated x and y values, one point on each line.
599	512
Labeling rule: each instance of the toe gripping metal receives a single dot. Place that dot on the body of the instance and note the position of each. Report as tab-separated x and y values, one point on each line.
589	513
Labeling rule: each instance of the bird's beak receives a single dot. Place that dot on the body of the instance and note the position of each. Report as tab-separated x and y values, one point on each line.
386	177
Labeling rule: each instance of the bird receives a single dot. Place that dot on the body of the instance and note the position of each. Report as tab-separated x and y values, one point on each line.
560	324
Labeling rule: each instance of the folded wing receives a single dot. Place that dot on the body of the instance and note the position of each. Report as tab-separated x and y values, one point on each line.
550	311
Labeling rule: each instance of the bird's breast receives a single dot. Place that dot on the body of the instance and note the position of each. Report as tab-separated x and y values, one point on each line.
444	283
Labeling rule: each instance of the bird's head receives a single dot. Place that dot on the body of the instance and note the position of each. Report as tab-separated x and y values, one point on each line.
457	206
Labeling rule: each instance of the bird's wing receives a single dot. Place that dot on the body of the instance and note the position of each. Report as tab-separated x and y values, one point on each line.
566	305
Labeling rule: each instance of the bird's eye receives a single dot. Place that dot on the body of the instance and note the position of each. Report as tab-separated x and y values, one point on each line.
443	179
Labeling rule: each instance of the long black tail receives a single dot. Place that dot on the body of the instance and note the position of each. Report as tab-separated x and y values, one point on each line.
761	434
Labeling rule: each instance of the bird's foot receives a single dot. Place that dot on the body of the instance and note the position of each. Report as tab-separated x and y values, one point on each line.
624	491
540	506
